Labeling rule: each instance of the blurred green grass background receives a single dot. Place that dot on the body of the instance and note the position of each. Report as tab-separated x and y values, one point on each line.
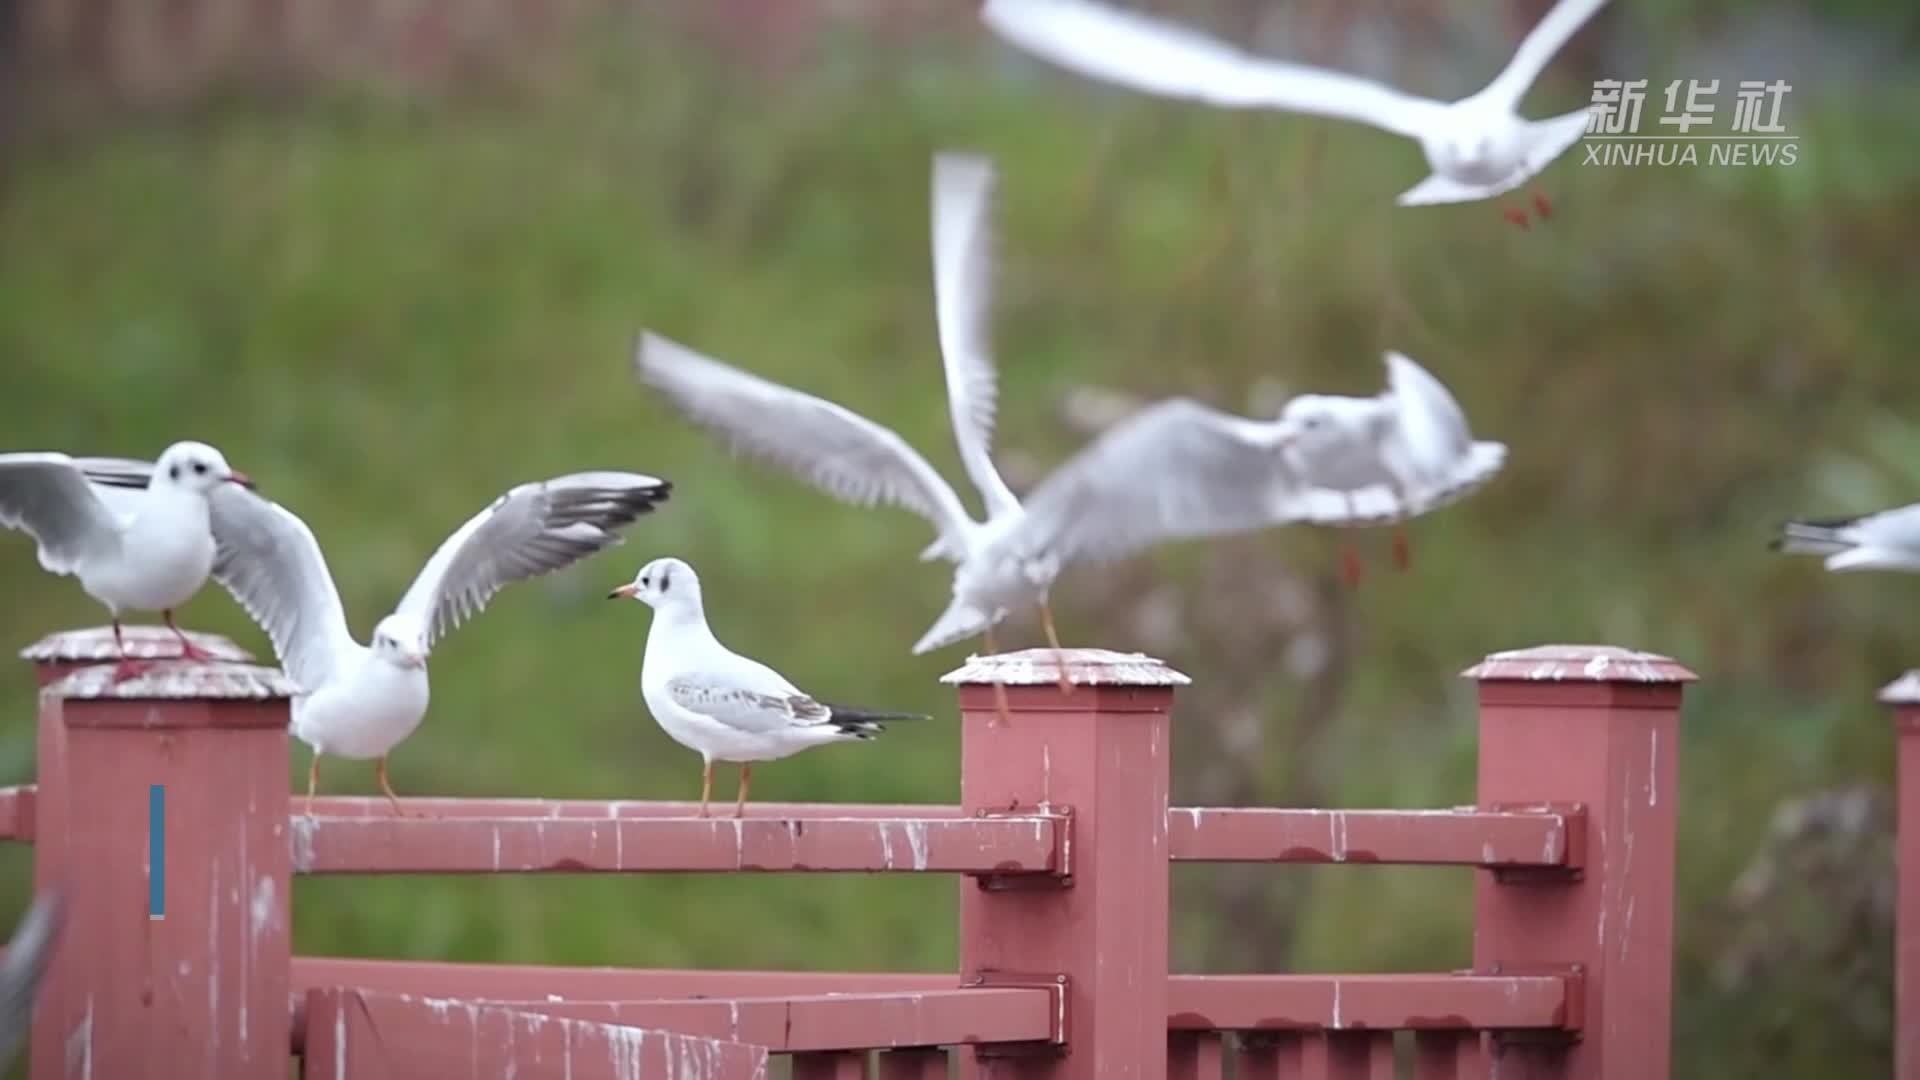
387	309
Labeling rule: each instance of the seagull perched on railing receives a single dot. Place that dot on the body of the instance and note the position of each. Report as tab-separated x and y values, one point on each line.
135	533
1478	147
23	969
718	703
1887	540
360	703
1177	470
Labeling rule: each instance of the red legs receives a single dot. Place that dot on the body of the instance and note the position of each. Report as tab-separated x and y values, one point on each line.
1518	214
1059	654
706	787
128	667
746	775
313	780
188	650
380	771
1001	716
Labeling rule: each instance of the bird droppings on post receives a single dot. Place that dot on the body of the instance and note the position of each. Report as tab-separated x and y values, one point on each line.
175	680
1086	667
1579	663
95	643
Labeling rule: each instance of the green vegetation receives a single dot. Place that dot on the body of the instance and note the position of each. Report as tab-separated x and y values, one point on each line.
388	312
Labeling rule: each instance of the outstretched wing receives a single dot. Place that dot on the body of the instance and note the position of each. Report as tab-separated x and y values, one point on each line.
836	450
1538	49
47	497
1157	57
533	529
268	559
1174	470
23	969
963	186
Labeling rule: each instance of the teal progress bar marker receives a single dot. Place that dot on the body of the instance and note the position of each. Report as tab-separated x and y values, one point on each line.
156	851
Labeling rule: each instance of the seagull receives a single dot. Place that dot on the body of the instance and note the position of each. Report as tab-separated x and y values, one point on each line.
1478	147
1408	448
134	533
23	969
718	703
854	459
357	702
1887	540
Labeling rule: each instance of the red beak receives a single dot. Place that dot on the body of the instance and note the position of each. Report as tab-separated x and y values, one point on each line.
241	478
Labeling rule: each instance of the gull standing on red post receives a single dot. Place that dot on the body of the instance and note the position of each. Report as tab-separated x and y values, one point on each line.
360	703
1479	147
135	533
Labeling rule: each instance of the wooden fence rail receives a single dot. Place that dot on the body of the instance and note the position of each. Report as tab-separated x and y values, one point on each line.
1062	839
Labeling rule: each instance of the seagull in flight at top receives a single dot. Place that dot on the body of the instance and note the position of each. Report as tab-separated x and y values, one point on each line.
1478	147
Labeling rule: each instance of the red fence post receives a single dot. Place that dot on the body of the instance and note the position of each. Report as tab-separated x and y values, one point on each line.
1598	726
54	657
202	989
1100	752
1903	694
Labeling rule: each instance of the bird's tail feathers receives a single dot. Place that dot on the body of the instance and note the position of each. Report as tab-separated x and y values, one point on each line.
865	723
1813	537
959	621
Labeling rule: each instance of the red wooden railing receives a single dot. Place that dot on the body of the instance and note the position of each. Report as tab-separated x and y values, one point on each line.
1063	832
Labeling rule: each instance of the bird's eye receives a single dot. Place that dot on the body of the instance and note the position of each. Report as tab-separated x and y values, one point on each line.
200	468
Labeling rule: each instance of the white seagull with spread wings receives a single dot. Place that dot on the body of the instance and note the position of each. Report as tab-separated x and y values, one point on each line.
718	703
1177	470
135	533
360	703
1478	147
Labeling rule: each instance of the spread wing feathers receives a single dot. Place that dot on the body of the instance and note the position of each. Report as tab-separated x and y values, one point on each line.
1893	535
1381	505
1428	423
1157	57
1538	49
1175	470
46	496
836	450
23	969
963	190
533	529
268	559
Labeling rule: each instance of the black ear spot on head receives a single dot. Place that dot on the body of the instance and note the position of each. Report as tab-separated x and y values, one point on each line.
173	472
666	580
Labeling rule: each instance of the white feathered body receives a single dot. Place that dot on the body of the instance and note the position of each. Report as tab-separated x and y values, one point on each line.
363	710
169	553
681	642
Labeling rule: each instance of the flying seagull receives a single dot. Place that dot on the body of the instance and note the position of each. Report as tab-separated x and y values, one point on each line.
134	533
358	702
718	703
24	968
1887	540
1478	147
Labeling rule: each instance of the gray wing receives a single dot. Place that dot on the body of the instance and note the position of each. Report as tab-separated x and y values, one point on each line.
23	969
47	497
963	186
1174	470
1157	57
1428	422
1537	49
833	448
531	530
268	559
725	700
